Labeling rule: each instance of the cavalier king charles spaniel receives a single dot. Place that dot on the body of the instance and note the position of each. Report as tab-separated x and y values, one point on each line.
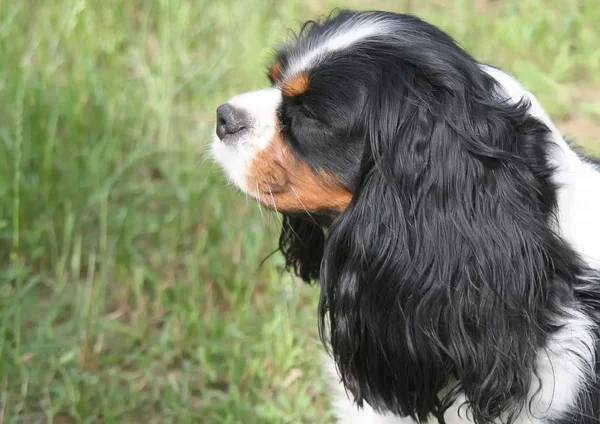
455	234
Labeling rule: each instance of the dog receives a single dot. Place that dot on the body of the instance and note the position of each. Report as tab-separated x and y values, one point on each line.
454	232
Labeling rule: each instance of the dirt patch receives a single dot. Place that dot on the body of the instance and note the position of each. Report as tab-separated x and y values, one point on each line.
584	129
586	93
484	6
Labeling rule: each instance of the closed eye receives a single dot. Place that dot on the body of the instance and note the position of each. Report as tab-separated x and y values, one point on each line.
309	112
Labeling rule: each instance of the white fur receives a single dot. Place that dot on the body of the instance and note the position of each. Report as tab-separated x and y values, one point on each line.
562	366
340	38
236	157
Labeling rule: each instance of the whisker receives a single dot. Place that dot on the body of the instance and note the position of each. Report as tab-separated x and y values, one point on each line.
259	204
208	173
274	204
303	206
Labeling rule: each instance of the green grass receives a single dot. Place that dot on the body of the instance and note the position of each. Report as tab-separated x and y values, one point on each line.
130	282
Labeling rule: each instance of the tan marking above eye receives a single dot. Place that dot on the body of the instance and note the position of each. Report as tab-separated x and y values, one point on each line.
296	85
281	182
275	72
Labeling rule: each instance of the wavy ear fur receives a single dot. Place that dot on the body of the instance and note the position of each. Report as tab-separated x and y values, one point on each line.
443	275
302	242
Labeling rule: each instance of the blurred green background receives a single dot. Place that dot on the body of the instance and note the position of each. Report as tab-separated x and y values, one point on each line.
131	289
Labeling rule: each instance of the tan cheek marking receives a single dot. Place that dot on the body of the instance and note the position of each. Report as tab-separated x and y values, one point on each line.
296	86
281	182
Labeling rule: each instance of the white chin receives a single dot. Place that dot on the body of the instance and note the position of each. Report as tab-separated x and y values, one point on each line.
231	161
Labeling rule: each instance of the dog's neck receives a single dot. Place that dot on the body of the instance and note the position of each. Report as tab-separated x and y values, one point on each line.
577	179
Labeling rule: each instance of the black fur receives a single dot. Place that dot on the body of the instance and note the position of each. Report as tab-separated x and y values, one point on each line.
444	270
302	242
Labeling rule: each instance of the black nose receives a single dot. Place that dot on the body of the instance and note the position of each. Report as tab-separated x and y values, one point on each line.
229	120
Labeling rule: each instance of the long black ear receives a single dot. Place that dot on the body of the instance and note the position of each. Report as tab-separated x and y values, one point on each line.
443	275
302	242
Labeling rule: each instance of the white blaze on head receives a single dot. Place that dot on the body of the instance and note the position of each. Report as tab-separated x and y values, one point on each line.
338	38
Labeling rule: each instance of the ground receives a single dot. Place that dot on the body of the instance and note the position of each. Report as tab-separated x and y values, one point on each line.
131	284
